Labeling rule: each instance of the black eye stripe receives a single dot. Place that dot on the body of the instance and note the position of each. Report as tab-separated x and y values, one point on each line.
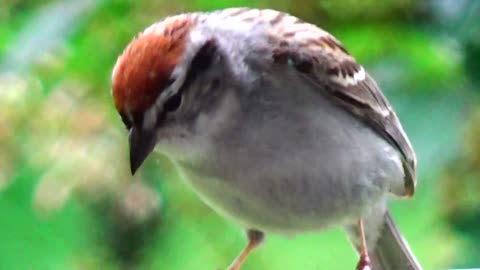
125	120
202	60
169	82
204	56
137	119
173	102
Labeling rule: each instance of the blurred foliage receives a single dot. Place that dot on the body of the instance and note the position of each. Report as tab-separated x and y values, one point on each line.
67	200
460	187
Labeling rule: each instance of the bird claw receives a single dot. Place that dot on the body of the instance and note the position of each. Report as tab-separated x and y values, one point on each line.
364	264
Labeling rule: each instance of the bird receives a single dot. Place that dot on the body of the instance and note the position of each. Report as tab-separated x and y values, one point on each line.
273	124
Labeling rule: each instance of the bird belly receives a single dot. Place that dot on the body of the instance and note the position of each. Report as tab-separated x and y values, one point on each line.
293	166
285	205
302	189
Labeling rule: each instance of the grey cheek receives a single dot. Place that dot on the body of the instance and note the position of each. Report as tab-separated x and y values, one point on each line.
149	119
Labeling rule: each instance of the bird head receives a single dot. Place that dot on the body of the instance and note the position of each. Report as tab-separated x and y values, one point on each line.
150	80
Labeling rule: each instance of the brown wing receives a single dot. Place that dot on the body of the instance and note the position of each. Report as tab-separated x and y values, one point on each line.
365	100
347	84
320	57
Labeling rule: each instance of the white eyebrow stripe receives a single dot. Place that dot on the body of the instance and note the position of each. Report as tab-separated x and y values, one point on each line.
150	116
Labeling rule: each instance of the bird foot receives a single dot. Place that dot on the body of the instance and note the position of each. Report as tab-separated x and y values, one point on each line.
364	263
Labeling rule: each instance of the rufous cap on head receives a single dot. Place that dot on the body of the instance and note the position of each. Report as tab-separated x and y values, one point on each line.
143	69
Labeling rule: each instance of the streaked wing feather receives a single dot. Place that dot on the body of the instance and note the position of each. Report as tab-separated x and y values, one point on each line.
376	112
364	99
321	58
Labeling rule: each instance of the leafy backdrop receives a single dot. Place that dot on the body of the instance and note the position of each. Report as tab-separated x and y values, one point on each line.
67	200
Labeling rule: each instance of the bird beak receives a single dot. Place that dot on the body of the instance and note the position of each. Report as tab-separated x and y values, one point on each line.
142	142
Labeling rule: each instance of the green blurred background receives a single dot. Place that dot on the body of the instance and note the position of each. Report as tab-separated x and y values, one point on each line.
67	200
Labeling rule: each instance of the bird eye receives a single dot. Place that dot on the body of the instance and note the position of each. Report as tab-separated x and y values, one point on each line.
173	102
169	82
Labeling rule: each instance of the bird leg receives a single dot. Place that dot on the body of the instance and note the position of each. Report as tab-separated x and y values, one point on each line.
364	262
255	238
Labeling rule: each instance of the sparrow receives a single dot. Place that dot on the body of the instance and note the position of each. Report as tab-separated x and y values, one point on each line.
273	124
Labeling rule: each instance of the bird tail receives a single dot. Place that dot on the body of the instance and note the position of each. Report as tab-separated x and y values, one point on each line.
392	251
388	250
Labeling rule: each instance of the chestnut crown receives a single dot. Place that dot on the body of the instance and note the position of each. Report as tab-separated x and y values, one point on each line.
144	69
